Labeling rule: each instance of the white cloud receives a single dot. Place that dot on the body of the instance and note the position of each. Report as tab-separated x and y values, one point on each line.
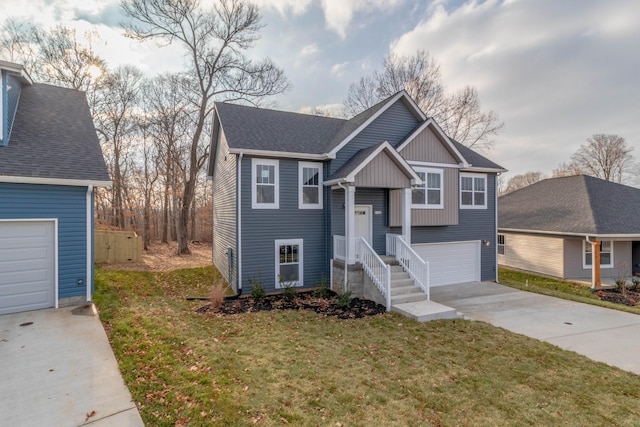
338	70
309	50
339	13
283	7
331	110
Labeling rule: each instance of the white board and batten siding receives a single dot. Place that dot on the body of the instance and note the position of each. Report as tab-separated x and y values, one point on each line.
451	262
536	253
27	265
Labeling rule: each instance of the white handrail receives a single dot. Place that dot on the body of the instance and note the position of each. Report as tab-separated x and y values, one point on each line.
339	247
377	270
391	244
413	264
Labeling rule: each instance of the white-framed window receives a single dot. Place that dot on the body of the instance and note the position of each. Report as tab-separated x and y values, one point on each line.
310	185
265	187
430	193
501	244
606	254
289	263
473	191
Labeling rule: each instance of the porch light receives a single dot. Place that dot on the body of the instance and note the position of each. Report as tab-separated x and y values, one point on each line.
486	243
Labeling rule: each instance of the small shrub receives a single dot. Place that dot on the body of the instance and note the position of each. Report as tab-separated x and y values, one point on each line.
344	300
289	292
216	295
322	291
636	284
257	290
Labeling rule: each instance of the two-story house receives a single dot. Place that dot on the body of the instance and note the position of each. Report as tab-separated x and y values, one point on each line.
298	198
50	164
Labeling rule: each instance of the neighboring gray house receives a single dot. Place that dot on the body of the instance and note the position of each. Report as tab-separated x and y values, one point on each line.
555	226
294	194
50	163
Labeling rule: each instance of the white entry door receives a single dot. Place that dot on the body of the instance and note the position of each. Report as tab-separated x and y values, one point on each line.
364	223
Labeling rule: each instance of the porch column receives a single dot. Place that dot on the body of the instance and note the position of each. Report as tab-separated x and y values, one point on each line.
406	215
350	223
595	264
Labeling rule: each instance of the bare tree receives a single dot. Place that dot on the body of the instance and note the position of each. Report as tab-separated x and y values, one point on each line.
604	156
214	40
17	44
459	114
517	182
566	169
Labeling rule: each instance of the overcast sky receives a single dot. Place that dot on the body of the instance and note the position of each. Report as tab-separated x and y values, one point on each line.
556	71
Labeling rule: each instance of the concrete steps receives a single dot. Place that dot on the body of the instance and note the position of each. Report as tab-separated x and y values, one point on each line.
425	311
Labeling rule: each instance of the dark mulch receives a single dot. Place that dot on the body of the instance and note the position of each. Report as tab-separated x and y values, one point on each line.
327	306
631	298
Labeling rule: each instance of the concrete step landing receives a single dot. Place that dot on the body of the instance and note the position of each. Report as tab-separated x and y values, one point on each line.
406	298
425	311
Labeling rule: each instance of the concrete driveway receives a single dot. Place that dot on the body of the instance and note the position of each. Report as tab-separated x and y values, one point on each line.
602	334
57	369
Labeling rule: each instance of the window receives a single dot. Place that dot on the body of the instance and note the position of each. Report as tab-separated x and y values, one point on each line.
428	195
265	188
310	184
289	270
473	191
606	254
500	244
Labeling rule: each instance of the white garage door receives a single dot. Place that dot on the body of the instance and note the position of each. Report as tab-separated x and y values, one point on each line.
453	262
27	265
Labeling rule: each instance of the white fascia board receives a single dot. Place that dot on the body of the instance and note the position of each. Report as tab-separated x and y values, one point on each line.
53	181
488	170
277	154
17	70
438	129
585	235
434	164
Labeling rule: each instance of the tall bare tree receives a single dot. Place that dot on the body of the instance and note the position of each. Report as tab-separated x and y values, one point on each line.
517	182
214	40
459	114
605	156
566	169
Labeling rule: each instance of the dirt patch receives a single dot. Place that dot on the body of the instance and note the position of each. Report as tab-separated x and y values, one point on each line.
163	257
630	297
328	305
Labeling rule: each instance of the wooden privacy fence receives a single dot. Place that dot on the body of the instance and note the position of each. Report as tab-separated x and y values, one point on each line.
117	247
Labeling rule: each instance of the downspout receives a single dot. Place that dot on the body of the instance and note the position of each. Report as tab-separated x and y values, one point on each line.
89	229
346	236
495	196
239	219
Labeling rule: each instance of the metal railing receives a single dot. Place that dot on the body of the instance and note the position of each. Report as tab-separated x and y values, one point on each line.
377	270
339	247
413	264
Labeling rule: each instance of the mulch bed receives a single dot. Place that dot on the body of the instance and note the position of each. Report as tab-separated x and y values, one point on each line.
631	298
327	306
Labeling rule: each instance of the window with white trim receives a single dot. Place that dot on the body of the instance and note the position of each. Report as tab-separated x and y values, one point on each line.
473	191
429	194
606	254
265	188
310	185
501	244
289	266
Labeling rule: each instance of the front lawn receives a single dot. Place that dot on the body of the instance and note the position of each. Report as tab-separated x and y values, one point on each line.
300	368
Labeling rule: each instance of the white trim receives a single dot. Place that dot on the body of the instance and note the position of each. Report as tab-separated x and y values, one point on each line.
239	223
53	181
473	176
384	146
2	89
483	170
16	69
377	114
276	191
55	248
426	204
434	164
503	244
278	154
89	231
320	187
616	237
293	242
438	129
584	255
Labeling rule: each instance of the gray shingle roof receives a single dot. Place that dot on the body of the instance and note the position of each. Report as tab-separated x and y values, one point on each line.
271	130
53	137
354	162
475	159
576	204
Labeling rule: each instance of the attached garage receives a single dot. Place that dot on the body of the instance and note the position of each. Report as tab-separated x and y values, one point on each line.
451	262
28	267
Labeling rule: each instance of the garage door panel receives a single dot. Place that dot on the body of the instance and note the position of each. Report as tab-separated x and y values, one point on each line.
449	263
27	266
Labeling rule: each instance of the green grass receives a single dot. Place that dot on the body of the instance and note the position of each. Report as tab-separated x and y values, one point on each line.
273	368
557	288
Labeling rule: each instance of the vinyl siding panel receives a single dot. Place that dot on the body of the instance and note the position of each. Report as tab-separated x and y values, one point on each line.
573	267
536	253
382	172
427	147
473	224
446	216
67	204
261	227
224	196
392	125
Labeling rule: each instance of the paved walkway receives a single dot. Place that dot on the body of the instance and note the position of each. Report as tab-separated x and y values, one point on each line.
602	334
58	369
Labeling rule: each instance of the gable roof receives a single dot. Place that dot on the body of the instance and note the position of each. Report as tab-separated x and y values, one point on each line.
53	138
476	160
578	205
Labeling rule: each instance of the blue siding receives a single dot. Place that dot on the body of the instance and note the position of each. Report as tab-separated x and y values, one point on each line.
67	204
261	227
474	224
392	125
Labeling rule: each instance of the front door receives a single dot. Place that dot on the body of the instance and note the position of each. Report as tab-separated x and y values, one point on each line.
363	223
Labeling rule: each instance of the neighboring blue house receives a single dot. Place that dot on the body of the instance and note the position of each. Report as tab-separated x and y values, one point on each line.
296	197
50	163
